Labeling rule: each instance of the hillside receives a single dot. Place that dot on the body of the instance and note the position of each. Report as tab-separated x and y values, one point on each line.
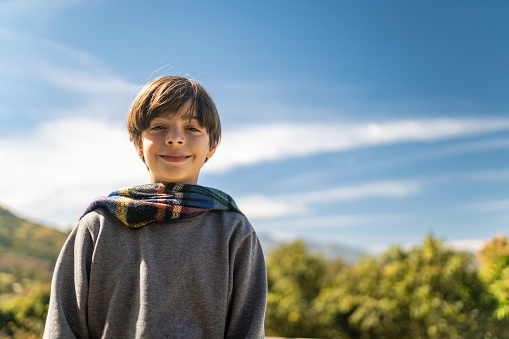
28	250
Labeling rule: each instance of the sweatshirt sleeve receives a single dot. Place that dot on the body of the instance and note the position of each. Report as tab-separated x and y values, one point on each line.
249	295
67	312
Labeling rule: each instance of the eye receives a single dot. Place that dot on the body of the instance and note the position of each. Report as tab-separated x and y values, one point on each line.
193	129
157	128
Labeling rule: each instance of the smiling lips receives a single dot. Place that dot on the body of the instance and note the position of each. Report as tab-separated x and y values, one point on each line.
175	157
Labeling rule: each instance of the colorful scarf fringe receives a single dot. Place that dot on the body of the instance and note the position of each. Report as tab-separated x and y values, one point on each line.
137	206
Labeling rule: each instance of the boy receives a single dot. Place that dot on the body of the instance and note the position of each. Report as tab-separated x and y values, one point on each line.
170	259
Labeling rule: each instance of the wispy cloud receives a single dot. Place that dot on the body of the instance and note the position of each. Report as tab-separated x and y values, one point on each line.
52	72
55	171
8	8
255	144
469	245
92	156
259	206
66	163
82	150
69	150
303	224
70	142
490	206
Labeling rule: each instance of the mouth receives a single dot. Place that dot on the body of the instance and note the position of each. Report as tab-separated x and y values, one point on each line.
175	157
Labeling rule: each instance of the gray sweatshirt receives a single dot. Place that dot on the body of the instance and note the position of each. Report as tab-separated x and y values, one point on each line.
199	277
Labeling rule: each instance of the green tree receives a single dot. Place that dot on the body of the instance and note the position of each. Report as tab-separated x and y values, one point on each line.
494	271
295	278
23	316
429	291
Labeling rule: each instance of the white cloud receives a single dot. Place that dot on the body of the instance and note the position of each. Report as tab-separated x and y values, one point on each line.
254	144
9	8
490	206
258	206
320	222
469	245
80	153
65	163
55	171
86	81
313	226
52	73
327	229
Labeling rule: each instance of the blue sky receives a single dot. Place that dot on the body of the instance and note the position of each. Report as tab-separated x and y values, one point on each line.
364	123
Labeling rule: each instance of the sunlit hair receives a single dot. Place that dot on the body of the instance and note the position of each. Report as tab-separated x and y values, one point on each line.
166	96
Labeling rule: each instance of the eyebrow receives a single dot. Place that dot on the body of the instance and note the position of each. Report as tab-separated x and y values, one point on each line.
188	116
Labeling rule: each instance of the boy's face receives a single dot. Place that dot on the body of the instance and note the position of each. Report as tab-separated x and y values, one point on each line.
175	148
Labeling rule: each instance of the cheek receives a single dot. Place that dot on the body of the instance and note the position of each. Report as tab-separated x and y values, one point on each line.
148	143
144	147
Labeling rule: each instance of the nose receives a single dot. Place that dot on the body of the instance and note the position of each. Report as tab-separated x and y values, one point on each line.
174	137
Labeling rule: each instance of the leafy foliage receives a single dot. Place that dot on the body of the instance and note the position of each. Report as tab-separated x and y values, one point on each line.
294	278
494	271
429	291
23	316
28	253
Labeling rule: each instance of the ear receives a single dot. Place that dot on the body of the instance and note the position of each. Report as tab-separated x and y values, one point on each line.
212	150
139	150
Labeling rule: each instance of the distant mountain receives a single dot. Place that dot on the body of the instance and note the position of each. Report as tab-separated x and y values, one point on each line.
328	249
28	250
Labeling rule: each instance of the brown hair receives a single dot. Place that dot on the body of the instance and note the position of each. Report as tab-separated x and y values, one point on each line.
167	95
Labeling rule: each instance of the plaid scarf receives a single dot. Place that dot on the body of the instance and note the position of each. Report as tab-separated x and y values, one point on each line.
138	206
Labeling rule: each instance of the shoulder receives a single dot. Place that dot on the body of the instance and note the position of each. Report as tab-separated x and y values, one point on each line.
234	226
230	220
95	220
98	215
